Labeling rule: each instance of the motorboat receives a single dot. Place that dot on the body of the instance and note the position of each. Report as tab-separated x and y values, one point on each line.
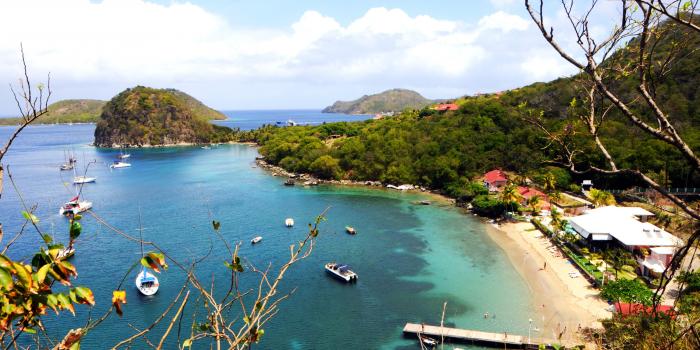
123	156
256	240
289	182
425	202
75	206
341	271
146	282
289	222
118	164
205	147
77	180
428	341
351	230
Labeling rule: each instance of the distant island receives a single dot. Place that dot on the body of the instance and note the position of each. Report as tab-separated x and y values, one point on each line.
145	117
66	111
395	100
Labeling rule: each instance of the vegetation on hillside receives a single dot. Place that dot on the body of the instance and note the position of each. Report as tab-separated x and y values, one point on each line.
143	116
394	100
66	111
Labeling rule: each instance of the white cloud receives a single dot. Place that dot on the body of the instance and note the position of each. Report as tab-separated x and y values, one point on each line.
127	42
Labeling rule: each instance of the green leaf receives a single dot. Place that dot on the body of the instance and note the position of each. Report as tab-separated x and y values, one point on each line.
23	275
187	343
216	224
6	279
77	217
30	217
246	319
29	330
41	274
47	238
52	301
84	295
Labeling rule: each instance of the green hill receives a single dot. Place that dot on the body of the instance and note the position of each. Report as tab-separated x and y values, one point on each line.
445	150
143	116
395	100
67	111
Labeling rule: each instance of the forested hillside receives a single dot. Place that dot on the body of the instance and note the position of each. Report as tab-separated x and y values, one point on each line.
443	150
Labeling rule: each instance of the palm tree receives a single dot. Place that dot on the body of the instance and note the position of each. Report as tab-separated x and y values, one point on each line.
556	219
534	203
549	182
510	194
600	197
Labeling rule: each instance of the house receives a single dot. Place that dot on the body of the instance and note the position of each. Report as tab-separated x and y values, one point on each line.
446	107
628	228
586	185
495	179
529	192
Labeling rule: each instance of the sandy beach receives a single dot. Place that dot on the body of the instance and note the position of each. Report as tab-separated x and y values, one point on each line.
566	303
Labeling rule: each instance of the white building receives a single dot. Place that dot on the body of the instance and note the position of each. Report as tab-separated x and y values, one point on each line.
628	227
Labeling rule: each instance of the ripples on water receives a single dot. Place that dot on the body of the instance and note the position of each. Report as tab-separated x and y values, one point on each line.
410	258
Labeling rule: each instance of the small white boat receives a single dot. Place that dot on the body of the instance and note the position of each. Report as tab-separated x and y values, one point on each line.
117	164
289	222
256	240
74	206
123	156
341	271
205	147
83	180
350	230
146	282
66	166
428	341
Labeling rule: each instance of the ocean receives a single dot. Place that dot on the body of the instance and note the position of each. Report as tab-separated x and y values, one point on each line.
410	258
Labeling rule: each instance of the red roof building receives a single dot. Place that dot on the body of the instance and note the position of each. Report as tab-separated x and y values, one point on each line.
495	179
529	192
446	107
626	309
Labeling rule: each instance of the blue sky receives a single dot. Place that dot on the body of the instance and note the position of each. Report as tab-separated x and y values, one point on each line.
274	54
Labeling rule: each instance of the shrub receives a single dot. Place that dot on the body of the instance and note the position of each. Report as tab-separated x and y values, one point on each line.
488	206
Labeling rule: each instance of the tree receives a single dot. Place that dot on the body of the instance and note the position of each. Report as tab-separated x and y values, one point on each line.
510	195
534	203
326	167
600	197
602	66
618	258
627	291
549	182
487	206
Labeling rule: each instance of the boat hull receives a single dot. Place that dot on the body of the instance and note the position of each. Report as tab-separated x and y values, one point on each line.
146	283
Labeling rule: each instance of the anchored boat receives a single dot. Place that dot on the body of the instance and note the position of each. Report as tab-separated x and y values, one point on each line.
341	271
146	282
350	230
289	222
256	240
74	206
78	180
117	164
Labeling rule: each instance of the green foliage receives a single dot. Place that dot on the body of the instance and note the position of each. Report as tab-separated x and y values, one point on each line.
488	206
394	100
618	258
147	116
627	291
600	197
325	167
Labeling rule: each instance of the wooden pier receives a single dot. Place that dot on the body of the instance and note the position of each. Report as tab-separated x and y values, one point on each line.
466	336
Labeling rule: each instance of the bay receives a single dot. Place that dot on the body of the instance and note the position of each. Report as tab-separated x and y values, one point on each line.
410	258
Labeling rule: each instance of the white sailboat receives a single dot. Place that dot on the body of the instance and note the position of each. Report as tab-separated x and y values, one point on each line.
145	282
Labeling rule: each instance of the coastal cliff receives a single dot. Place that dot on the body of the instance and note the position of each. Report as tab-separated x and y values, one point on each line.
144	117
395	100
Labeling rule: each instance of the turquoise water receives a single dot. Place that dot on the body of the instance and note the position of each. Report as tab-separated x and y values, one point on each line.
410	258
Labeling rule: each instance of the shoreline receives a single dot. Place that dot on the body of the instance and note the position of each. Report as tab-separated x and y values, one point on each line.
565	303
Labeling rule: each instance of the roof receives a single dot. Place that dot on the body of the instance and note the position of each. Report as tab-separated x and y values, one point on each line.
629	309
446	107
528	192
663	250
620	211
495	175
621	223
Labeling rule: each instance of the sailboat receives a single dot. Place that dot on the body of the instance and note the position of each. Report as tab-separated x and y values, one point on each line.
145	282
82	179
70	161
74	206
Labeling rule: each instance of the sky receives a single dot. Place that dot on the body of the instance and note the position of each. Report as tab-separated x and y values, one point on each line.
275	54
